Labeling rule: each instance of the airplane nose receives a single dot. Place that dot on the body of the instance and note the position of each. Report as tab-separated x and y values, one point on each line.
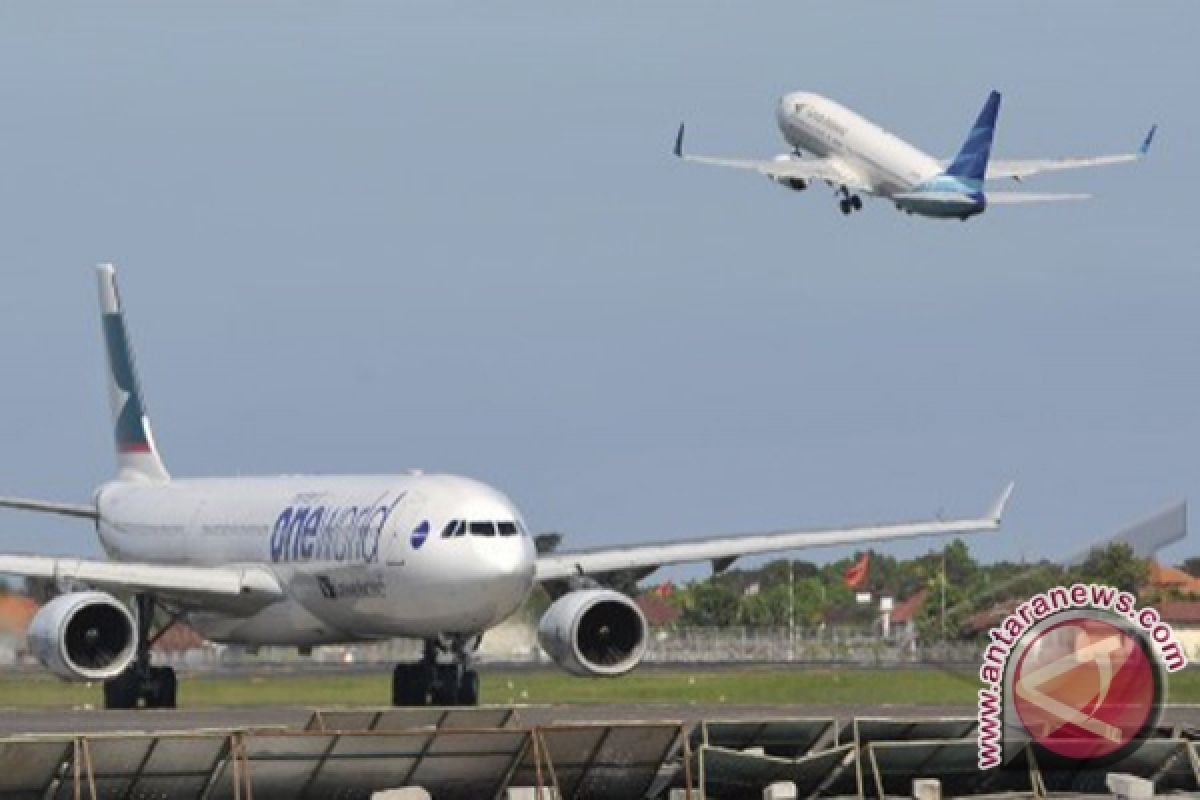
506	569
506	557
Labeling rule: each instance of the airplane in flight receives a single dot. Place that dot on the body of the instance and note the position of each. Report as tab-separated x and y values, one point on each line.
311	560
832	144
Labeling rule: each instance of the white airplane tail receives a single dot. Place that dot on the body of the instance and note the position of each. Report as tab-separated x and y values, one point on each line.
137	455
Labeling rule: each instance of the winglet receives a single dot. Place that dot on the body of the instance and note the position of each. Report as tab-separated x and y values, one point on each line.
1144	149
679	142
997	509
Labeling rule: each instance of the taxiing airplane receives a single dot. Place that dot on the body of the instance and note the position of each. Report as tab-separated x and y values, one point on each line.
312	560
832	144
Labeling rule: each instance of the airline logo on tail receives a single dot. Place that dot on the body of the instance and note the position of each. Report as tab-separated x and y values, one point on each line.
970	165
137	456
130	424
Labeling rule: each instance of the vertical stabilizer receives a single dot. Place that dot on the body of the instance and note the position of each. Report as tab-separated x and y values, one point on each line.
970	165
137	456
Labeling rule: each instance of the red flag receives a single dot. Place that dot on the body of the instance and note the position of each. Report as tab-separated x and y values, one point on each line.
857	573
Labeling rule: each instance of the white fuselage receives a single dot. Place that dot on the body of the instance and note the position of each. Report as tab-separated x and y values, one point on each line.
359	557
823	128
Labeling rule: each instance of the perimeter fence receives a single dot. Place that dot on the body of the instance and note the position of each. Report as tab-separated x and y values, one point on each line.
687	645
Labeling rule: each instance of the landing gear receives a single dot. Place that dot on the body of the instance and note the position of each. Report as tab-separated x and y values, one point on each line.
141	685
147	687
849	202
439	684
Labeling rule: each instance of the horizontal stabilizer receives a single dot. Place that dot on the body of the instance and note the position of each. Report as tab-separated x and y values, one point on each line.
1018	198
41	506
930	197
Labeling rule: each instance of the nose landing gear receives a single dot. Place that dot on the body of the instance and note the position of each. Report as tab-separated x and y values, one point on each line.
439	684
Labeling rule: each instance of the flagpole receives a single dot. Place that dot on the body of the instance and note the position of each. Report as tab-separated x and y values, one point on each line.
943	594
791	610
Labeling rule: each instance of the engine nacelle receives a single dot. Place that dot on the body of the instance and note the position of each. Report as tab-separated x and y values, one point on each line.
84	636
594	632
795	184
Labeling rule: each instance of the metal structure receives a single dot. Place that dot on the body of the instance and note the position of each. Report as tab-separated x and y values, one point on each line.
458	754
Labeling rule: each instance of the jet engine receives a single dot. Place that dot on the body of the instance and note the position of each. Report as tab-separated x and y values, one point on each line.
84	636
594	632
796	184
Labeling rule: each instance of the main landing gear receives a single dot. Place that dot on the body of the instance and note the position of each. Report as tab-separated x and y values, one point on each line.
429	683
849	202
142	685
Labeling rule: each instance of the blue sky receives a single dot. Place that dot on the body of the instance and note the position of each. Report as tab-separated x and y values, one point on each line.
362	237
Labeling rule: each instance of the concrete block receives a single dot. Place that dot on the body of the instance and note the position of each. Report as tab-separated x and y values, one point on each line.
1129	787
531	793
783	790
927	789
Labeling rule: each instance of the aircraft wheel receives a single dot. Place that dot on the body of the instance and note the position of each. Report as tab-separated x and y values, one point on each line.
468	689
856	203
161	688
121	691
410	687
446	689
844	205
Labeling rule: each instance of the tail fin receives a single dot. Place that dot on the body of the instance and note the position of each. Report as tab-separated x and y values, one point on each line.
970	165
137	456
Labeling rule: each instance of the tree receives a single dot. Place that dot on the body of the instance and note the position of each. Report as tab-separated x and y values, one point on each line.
710	604
1114	565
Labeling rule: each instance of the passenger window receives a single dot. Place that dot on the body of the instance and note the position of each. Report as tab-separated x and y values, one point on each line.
507	528
483	529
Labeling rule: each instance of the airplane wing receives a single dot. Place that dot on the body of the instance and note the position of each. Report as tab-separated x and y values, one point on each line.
1024	168
830	170
216	588
723	550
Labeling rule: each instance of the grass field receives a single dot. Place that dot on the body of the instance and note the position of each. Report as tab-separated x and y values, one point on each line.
708	686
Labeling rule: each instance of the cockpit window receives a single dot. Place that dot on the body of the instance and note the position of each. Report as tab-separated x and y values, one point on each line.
483	529
457	527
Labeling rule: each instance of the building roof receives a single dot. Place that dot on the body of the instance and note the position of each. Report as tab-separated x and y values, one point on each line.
656	610
1180	612
908	609
178	638
16	611
1163	577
